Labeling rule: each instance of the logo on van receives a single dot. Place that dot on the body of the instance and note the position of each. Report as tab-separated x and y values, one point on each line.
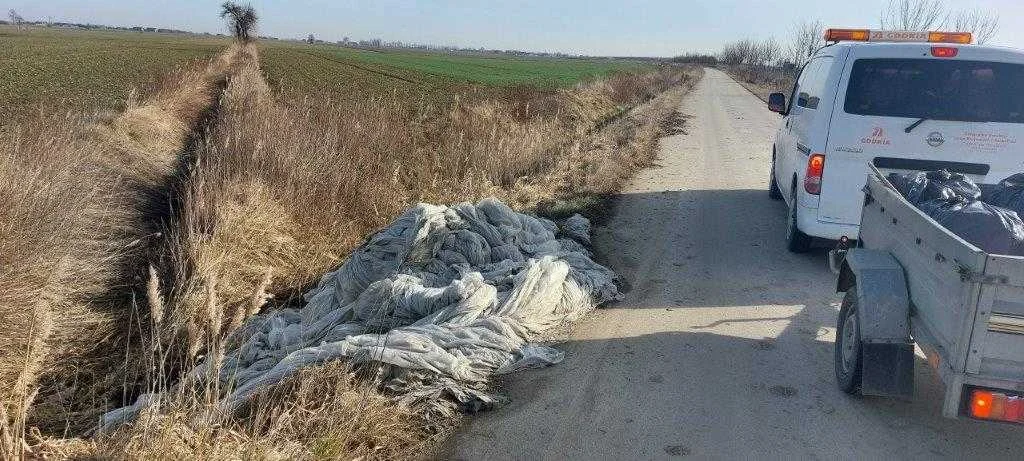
934	139
877	137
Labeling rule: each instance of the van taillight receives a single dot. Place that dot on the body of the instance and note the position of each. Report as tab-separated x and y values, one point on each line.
815	167
944	51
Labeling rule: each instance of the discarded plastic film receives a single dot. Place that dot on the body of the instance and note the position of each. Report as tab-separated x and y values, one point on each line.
447	295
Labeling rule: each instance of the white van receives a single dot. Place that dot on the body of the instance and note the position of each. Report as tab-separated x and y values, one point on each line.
903	101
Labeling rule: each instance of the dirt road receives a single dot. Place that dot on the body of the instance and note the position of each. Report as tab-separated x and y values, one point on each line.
722	347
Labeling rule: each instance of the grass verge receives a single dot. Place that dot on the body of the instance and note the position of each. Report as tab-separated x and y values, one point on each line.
77	196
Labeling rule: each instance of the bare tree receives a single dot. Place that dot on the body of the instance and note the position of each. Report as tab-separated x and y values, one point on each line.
805	39
983	24
767	57
15	18
769	52
932	14
738	52
759	60
913	14
241	19
758	55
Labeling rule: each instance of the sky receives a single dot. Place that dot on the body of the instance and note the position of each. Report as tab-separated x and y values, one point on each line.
591	27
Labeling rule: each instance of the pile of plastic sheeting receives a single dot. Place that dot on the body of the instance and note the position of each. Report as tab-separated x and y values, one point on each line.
446	296
958	204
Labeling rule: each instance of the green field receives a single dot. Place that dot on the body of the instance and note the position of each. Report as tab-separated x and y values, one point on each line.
88	69
328	66
97	69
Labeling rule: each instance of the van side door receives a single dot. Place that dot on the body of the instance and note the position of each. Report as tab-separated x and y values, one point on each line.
784	141
795	151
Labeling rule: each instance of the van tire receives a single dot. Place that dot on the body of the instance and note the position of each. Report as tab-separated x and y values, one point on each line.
849	355
773	186
796	240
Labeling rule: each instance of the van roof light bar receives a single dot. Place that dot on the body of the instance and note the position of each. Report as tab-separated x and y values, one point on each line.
867	35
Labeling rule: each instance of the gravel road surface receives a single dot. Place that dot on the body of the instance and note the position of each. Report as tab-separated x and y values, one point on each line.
723	346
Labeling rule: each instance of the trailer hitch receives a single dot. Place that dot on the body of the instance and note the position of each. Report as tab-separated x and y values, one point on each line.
838	254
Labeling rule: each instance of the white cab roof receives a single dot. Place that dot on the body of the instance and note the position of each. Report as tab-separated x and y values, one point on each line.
923	50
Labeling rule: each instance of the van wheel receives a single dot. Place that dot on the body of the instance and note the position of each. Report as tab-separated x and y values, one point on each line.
849	358
773	186
796	241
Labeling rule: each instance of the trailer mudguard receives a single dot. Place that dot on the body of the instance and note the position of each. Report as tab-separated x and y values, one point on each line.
883	312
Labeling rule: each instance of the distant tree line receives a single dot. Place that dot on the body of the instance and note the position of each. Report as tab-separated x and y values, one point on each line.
769	59
703	59
13	18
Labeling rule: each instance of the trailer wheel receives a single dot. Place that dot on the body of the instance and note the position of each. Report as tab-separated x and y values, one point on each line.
848	357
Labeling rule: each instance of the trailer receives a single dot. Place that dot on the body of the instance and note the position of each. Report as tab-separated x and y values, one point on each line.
909	280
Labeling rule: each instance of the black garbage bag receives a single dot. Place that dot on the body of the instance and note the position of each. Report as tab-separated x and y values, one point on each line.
993	229
961	186
1009	193
935	185
909	185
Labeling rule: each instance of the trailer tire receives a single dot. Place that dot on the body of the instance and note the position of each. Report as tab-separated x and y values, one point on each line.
849	356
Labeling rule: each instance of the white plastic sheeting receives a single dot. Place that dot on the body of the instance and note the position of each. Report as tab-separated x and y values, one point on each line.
448	296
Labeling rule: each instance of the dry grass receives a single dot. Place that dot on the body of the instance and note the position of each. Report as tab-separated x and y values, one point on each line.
253	201
322	413
72	197
327	412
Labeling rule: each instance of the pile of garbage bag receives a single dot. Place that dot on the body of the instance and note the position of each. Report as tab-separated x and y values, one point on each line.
935	185
988	219
1009	194
446	297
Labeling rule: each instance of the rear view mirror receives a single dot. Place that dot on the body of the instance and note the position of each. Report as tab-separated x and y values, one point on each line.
777	102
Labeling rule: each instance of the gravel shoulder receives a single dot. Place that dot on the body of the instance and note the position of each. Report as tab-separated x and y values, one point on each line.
722	347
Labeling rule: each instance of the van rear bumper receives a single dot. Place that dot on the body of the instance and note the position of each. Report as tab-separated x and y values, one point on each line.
807	221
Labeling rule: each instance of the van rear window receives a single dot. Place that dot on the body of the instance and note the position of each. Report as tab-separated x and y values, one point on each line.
966	91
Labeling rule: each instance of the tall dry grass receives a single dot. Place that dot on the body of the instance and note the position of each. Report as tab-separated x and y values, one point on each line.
61	231
327	412
73	197
152	235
